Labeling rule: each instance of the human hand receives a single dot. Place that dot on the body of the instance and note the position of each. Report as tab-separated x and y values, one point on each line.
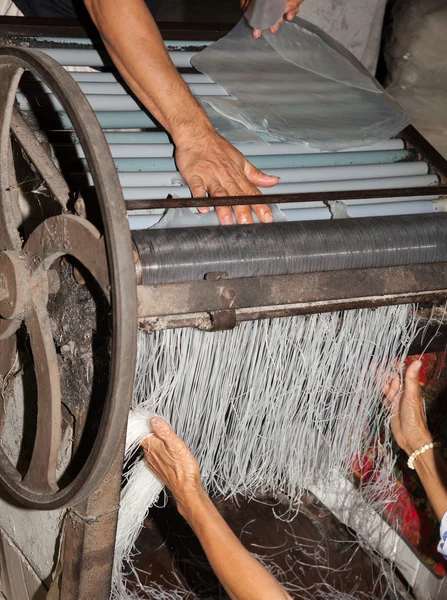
172	462
209	164
408	422
290	13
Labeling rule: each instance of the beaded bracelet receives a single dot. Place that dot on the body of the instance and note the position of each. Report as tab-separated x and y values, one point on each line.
421	450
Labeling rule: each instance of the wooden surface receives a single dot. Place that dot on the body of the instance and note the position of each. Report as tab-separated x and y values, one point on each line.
18	581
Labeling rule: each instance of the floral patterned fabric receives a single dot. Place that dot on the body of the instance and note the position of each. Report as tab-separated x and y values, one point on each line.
442	546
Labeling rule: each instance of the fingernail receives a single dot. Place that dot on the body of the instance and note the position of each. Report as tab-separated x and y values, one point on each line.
267	218
156	422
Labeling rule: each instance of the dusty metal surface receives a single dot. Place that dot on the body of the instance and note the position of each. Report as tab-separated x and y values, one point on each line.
296	294
27	256
18	28
427	152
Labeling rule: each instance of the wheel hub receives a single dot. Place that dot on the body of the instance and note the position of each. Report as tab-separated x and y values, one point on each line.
14	285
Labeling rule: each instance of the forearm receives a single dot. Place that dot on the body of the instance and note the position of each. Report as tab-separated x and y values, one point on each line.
134	43
431	467
243	577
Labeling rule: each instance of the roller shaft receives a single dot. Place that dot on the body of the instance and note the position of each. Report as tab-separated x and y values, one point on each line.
175	255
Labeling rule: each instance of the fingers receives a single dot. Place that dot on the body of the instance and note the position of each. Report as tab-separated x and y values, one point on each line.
243	214
198	190
240	187
215	189
257	177
263	212
216	168
197	186
163	432
225	215
292	8
276	27
392	388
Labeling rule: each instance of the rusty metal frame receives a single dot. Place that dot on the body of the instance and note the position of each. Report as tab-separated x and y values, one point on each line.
25	27
192	303
426	151
440	190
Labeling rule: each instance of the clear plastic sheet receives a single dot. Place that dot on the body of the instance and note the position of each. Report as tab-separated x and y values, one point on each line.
299	86
185	217
262	14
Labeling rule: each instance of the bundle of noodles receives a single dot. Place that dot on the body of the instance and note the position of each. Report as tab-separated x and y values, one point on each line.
271	407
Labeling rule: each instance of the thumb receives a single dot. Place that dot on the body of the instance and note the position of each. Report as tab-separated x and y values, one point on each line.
412	376
163	431
258	177
160	428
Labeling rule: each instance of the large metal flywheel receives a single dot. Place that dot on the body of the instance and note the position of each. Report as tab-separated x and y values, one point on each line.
103	249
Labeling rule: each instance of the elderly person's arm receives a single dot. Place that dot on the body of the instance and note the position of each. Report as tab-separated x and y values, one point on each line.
411	432
243	577
207	162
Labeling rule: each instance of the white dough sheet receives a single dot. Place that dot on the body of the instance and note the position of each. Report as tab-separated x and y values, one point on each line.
299	85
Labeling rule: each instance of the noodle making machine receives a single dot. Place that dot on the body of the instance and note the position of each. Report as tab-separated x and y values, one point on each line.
85	175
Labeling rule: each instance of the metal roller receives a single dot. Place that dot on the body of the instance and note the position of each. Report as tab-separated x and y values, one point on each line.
181	255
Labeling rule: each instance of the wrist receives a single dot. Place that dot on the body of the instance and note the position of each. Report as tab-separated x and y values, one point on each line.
193	130
426	462
417	441
191	502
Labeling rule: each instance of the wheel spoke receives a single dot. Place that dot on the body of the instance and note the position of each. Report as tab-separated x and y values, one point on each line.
41	475
40	159
8	349
8	353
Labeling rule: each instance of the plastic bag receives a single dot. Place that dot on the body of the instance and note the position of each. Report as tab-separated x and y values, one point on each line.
186	217
299	86
263	14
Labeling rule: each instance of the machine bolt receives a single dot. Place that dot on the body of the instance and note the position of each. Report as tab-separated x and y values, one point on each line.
229	294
